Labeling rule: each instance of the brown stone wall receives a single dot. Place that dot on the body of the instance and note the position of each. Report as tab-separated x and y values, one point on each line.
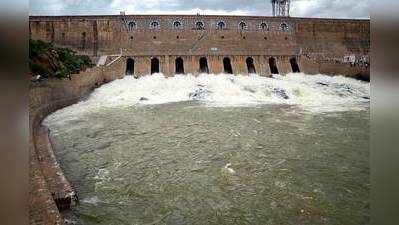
48	185
317	43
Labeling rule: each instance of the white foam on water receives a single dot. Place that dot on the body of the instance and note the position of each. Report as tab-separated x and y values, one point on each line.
92	200
315	93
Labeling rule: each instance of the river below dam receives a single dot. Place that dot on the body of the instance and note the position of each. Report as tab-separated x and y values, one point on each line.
218	149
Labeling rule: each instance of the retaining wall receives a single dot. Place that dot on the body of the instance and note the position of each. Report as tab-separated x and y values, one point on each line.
50	192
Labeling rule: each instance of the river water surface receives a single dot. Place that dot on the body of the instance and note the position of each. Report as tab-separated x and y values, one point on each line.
218	149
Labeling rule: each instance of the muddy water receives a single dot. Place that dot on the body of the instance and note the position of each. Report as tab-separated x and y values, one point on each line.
188	162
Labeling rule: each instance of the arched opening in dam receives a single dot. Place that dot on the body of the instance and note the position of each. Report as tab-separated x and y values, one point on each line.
203	64
130	66
154	65
273	65
294	65
250	65
179	66
227	66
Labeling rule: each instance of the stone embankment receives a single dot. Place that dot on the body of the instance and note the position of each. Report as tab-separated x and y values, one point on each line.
50	193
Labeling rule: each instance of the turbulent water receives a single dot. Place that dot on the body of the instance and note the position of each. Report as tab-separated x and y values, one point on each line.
218	149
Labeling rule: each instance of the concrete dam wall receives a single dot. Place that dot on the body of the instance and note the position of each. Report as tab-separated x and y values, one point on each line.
214	44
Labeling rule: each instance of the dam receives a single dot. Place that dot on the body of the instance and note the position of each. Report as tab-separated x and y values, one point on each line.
194	44
203	119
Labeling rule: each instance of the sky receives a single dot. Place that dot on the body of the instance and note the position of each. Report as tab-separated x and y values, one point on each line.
357	9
